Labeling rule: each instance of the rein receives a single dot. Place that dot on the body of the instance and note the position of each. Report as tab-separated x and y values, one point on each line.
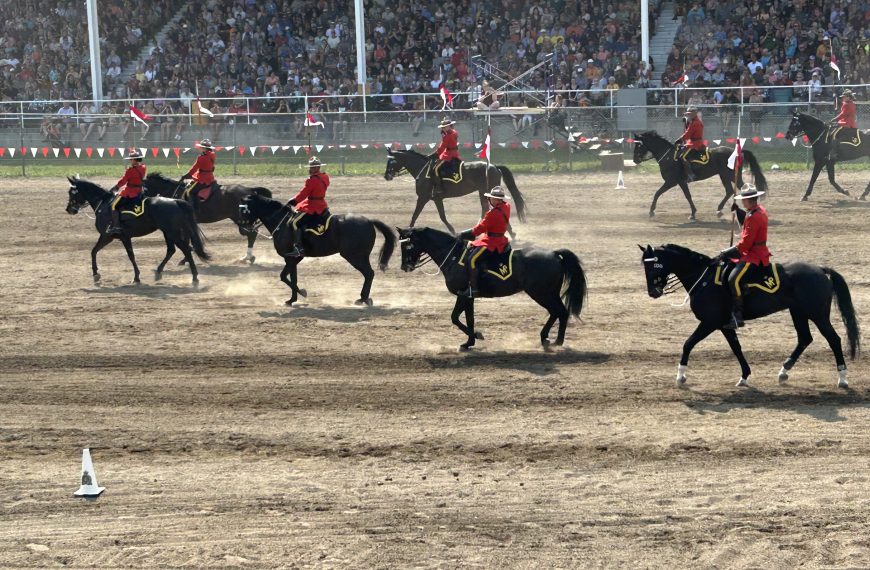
428	258
692	288
658	159
259	224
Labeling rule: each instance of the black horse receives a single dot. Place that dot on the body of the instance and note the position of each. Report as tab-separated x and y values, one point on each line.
475	178
351	236
223	204
670	166
821	141
172	217
553	279
805	290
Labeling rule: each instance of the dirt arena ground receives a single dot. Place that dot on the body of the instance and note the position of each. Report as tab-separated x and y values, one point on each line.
231	431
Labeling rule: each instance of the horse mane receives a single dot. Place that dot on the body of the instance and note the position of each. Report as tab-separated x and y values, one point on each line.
651	133
811	118
161	177
79	182
686	252
411	151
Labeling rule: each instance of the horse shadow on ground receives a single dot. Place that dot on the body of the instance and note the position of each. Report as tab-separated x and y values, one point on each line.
158	291
822	405
227	270
540	363
353	314
843	204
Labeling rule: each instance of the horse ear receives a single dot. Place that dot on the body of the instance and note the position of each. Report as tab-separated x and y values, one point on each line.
390	151
641	248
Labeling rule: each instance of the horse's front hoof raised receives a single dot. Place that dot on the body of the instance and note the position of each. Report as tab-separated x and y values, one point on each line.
783	375
302	292
478	335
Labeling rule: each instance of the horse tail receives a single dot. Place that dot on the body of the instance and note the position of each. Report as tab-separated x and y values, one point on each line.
517	196
847	310
757	172
389	243
574	281
264	192
192	229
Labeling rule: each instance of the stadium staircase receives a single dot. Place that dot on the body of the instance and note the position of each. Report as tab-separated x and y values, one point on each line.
661	43
145	52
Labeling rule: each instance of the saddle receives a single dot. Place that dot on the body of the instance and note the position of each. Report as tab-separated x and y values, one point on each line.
204	194
766	279
134	206
313	224
449	171
844	135
492	263
693	156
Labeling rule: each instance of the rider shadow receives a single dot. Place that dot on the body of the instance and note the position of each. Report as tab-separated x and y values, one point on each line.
538	363
842	204
335	314
820	405
149	291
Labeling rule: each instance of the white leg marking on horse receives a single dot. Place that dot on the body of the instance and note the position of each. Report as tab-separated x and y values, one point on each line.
681	374
742	383
783	375
842	382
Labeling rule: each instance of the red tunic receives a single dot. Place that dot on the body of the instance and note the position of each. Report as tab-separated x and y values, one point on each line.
312	198
492	228
132	181
203	169
848	116
753	238
694	135
449	147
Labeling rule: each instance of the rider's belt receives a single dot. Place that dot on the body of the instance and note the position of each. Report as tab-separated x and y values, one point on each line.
759	243
452	148
696	140
314	198
493	234
203	170
134	186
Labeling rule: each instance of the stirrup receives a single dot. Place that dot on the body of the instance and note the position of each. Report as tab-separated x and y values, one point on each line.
469	293
114	230
296	252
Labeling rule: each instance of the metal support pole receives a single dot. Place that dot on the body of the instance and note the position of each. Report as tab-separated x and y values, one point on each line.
96	64
360	29
644	33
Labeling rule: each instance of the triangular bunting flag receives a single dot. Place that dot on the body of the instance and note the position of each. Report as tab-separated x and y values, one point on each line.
525	144
12	152
227	148
45	152
100	151
478	145
33	151
502	145
342	146
364	146
408	146
285	147
111	150
717	142
253	150
780	135
548	143
241	150
56	152
431	145
143	150
154	151
89	151
274	149
755	140
177	152
3	150
65	151
319	147
766	139
78	152
165	152
296	149
619	141
120	151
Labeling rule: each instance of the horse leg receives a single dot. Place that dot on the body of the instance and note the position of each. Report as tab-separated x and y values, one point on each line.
726	182
688	195
421	202
128	245
734	343
170	251
702	331
439	203
827	330
837	187
290	264
802	327
101	243
466	305
866	191
249	254
188	257
364	266
817	169
664	188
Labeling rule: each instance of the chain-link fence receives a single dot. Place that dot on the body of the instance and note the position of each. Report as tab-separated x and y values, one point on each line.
568	134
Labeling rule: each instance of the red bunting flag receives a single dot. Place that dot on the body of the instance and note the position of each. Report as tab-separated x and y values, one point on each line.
138	115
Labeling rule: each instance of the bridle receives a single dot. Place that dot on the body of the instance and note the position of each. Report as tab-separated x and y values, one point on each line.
255	226
803	131
426	258
652	154
673	283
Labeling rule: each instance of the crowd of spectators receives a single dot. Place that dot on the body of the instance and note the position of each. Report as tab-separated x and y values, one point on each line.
771	43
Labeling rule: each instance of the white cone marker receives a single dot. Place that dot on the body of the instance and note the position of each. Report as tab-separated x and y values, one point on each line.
89	487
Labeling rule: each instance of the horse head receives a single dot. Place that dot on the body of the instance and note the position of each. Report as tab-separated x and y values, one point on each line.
247	217
656	270
795	128
393	166
409	240
76	198
640	150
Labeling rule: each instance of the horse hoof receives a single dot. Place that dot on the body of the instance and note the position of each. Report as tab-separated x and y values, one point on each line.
719	213
681	381
863	197
289	302
302	292
652	214
804	199
478	336
465	347
252	259
842	383
367	302
783	377
692	218
158	275
742	383
97	277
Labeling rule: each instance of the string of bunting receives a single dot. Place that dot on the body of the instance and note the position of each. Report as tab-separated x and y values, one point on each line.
253	150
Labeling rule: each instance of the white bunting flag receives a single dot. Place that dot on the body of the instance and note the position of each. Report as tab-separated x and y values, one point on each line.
101	150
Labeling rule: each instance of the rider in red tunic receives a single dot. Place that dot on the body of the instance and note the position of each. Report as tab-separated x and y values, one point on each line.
447	152
311	200
750	252
491	229
202	171
691	140
847	119
132	181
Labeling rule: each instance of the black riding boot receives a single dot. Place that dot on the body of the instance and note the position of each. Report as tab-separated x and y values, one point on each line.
437	187
298	250
473	277
687	170
833	155
115	227
736	314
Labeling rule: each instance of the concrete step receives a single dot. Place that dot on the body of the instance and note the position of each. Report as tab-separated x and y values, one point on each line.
145	52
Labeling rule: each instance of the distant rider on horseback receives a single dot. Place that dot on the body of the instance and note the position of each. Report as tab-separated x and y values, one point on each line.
691	142
202	171
132	180
491	230
310	200
847	119
447	155
750	252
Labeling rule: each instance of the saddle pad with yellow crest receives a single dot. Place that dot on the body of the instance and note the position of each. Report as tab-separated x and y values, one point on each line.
454	177
843	135
767	279
694	156
313	223
500	265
